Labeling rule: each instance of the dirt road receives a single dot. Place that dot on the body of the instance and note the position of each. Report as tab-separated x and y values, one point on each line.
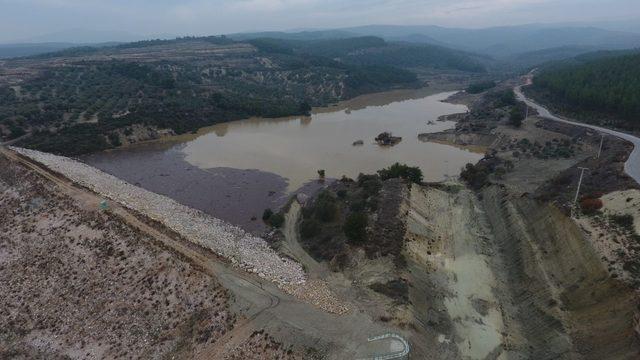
261	302
631	167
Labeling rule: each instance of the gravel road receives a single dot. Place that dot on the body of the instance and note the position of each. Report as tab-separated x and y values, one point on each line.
631	167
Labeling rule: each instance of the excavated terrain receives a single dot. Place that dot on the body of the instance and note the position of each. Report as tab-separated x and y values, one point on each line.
77	282
567	303
506	276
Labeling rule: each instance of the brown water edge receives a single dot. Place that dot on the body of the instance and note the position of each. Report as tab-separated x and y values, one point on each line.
238	192
296	148
233	195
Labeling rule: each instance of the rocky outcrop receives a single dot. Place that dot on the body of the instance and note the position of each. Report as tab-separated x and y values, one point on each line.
387	139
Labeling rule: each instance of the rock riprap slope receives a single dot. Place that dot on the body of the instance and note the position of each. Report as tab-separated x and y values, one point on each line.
244	250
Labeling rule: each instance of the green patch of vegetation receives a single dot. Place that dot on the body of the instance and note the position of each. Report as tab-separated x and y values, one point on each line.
477	88
624	221
371	184
604	84
350	207
555	149
516	116
275	220
397	289
477	176
310	228
373	51
325	207
397	170
502	98
267	214
355	227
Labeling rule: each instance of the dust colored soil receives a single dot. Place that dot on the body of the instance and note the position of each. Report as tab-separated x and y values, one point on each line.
79	283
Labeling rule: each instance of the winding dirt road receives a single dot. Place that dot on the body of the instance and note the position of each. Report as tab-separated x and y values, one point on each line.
631	167
261	304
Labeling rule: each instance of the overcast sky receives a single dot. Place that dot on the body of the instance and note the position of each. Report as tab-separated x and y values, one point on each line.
24	19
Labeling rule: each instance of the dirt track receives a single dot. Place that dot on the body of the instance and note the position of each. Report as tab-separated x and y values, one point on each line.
260	301
632	166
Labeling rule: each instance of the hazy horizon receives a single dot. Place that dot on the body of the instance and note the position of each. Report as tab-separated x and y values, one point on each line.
25	20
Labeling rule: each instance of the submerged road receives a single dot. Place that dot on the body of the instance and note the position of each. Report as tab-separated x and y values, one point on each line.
631	167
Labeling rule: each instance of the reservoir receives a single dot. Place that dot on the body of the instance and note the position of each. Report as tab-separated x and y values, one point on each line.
235	170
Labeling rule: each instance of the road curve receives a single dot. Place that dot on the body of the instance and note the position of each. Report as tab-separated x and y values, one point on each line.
631	167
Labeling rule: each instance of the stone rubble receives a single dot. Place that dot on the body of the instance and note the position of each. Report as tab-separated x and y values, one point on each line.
244	250
318	293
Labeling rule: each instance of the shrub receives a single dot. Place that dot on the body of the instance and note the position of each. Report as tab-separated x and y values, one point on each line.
276	220
355	227
624	221
358	205
590	206
479	87
267	214
516	117
326	209
371	184
310	228
504	98
396	289
475	175
342	193
397	170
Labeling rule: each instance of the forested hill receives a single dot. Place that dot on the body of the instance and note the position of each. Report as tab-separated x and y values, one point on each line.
88	99
371	50
601	83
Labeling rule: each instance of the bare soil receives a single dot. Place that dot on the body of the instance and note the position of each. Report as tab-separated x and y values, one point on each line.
80	283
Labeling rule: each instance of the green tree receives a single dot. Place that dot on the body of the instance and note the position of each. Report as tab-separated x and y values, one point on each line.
266	215
276	220
516	117
355	227
309	228
397	170
325	206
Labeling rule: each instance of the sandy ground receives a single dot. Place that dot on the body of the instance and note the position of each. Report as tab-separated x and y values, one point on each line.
446	235
624	202
618	249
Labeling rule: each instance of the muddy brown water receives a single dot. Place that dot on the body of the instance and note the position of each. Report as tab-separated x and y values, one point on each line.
235	170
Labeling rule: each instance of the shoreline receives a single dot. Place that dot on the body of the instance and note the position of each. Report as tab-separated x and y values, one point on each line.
359	102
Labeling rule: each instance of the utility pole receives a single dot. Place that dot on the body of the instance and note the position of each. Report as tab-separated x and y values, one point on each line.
579	184
601	143
575	200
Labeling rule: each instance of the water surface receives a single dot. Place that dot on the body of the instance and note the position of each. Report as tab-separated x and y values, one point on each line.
235	170
296	148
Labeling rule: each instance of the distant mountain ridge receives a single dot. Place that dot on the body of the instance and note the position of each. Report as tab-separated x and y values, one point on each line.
508	40
500	42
